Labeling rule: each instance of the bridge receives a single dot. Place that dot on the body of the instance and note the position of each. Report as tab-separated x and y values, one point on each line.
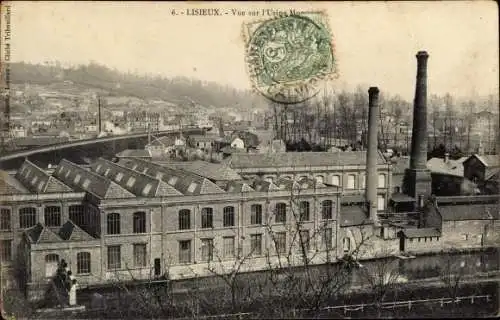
85	148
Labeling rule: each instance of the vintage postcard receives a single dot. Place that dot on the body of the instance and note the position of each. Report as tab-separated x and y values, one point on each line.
249	159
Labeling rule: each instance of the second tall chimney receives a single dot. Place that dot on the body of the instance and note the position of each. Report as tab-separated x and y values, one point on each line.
417	180
418	158
372	154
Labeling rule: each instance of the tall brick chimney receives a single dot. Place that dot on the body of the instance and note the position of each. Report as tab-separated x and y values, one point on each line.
417	180
372	154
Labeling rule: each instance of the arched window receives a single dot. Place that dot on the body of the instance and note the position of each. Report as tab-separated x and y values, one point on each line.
327	209
228	218
184	219
51	264
304	211
27	217
336	180
269	179
113	223
381	180
83	262
52	216
362	183
280	212
139	222
320	179
207	218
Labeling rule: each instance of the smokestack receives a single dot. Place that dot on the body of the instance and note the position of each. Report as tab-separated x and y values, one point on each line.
418	158
417	179
372	154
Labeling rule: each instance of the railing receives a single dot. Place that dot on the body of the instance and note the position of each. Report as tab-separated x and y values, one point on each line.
359	307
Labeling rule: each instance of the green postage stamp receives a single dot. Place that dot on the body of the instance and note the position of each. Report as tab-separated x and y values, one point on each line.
288	56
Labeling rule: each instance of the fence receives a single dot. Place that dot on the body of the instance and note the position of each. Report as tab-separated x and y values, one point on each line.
360	307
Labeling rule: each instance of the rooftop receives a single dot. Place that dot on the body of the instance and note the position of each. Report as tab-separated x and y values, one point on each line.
299	159
212	171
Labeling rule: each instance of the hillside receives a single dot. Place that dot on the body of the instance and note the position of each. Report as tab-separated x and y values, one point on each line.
115	83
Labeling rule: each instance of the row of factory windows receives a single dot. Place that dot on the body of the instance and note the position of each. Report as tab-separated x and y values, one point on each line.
28	216
52	216
336	180
256	217
208	251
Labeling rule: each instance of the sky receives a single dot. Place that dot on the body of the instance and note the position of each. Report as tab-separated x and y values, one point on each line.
375	42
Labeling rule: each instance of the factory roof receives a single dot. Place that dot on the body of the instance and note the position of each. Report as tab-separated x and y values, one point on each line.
237	186
37	180
80	178
299	159
136	182
68	231
9	185
212	171
186	183
448	167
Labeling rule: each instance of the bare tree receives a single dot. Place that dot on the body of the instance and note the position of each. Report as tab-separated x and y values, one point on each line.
381	276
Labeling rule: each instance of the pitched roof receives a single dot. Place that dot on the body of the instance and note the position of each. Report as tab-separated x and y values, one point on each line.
138	183
134	153
38	180
80	178
186	183
10	185
352	216
165	141
491	160
450	167
70	231
469	212
41	234
237	186
299	159
212	171
421	232
264	186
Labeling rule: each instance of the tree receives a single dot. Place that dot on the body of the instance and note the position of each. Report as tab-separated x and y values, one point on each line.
382	277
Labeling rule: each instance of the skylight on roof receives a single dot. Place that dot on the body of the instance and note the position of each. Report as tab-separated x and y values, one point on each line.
98	168
134	166
40	186
130	182
159	175
192	187
28	172
173	180
119	177
67	173
35	178
146	189
86	183
77	178
106	172
145	170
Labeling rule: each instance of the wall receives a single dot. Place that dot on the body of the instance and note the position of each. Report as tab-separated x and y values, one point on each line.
463	234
